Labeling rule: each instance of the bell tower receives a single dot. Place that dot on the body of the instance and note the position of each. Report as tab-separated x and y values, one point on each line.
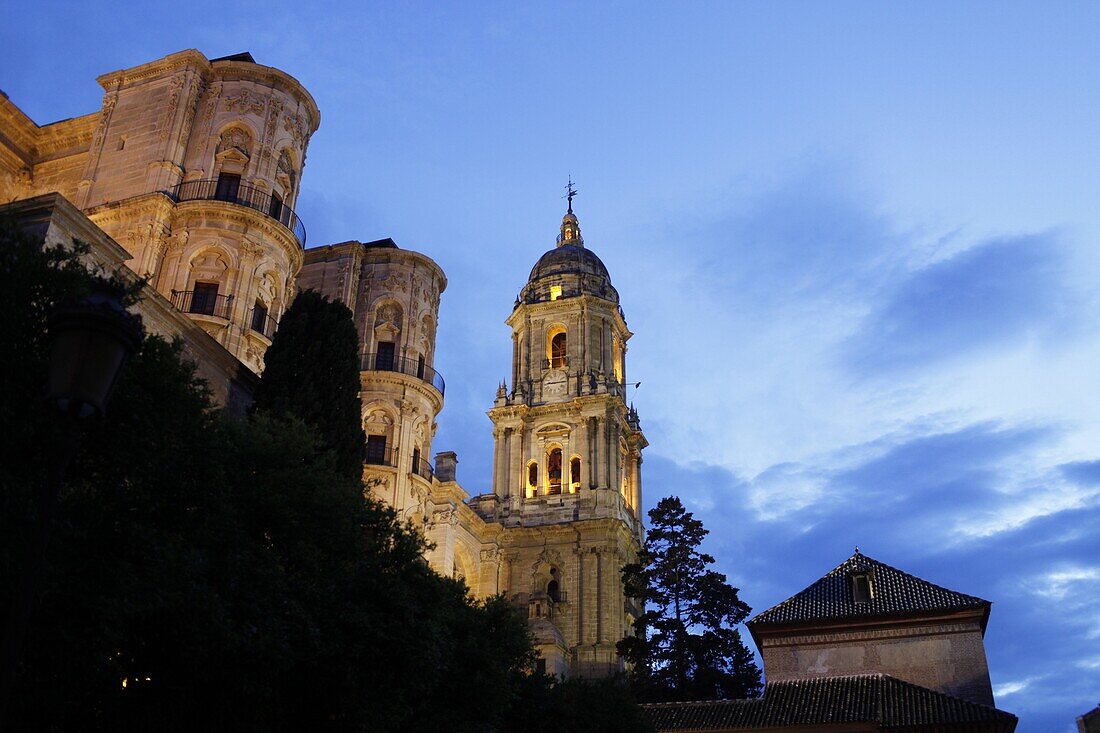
567	461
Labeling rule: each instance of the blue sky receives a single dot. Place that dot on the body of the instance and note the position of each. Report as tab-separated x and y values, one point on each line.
856	243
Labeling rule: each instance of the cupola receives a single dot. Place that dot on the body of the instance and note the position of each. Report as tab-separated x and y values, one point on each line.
570	230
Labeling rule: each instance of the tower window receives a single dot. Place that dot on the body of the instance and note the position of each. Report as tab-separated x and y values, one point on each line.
532	478
555	292
861	588
553	471
574	474
204	299
376	450
275	208
259	318
383	360
559	356
228	186
552	588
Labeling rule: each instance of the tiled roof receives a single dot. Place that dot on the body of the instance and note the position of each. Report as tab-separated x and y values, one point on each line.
889	702
894	593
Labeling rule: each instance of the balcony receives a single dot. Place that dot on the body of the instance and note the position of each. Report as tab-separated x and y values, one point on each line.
384	362
377	456
260	322
254	198
202	303
422	468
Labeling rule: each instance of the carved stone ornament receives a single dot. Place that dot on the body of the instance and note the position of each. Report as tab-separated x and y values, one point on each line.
393	281
238	139
547	557
389	315
246	102
295	125
490	554
170	108
377	422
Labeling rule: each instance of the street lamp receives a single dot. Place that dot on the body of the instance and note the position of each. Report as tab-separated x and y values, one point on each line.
90	342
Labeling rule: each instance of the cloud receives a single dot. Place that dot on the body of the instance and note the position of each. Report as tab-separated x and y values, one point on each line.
994	293
1011	688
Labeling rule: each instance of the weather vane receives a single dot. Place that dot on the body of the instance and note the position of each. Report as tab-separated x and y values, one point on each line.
570	192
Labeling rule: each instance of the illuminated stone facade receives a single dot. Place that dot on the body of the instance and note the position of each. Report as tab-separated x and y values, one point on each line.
561	519
194	167
189	173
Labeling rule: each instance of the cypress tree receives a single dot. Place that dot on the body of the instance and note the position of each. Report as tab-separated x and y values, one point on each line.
311	372
686	644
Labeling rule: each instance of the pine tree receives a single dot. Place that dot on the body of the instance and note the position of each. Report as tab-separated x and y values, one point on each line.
686	644
311	372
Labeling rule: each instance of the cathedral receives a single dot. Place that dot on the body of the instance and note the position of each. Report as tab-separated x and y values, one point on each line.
188	175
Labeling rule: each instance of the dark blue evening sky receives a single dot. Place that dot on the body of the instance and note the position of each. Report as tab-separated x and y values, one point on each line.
856	243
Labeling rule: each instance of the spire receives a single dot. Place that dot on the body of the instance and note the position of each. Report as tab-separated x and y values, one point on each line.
570	227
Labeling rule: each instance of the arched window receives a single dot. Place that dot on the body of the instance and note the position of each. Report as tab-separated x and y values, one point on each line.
553	591
559	356
574	474
553	471
532	478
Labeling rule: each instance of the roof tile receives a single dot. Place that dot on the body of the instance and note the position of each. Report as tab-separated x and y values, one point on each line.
894	593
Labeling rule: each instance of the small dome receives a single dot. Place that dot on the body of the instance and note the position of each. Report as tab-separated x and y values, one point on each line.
570	267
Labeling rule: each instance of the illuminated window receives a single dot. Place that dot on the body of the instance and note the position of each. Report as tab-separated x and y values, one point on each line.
617	358
532	478
559	356
574	474
555	292
553	471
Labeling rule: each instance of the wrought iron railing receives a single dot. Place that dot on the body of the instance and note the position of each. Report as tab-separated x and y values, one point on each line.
422	468
384	362
262	323
380	457
203	303
243	195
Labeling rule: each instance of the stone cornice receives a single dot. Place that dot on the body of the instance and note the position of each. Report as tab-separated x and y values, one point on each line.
18	132
384	255
593	405
179	60
860	635
226	212
211	71
572	305
59	139
857	627
371	379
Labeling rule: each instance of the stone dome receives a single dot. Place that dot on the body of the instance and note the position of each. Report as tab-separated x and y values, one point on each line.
575	269
569	259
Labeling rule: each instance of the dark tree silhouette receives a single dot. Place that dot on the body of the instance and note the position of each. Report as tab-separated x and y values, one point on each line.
686	644
311	371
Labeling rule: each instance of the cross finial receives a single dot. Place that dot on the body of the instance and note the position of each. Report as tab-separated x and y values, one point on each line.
570	192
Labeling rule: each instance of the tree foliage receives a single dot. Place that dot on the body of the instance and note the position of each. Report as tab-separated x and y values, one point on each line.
207	574
686	644
311	370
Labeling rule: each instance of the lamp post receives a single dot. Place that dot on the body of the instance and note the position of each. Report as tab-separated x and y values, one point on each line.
90	341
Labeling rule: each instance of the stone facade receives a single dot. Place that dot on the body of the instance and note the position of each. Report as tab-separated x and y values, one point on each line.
556	544
866	617
945	654
194	167
58	223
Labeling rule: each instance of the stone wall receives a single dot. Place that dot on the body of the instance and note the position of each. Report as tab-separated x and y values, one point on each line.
944	655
